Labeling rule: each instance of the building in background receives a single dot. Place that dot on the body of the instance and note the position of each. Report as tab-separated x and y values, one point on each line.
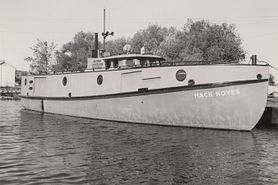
7	74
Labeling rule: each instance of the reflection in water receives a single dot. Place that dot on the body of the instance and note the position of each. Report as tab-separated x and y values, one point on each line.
41	148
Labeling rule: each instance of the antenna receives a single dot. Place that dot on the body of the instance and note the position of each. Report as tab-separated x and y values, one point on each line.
105	33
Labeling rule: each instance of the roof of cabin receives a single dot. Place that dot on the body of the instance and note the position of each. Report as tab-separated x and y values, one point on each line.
126	56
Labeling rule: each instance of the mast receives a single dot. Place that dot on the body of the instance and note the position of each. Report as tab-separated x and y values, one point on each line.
105	33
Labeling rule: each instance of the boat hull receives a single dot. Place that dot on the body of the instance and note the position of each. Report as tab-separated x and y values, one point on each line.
236	106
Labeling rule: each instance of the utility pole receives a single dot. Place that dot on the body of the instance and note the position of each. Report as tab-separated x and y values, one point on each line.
46	57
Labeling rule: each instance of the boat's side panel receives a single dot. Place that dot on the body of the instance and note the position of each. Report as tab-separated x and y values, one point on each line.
121	81
32	104
224	96
236	107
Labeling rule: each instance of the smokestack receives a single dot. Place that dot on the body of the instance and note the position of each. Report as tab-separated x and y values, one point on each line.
254	59
95	51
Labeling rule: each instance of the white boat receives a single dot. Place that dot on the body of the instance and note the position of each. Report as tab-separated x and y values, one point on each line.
137	88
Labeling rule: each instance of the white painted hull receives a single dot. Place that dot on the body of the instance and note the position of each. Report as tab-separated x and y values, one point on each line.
237	107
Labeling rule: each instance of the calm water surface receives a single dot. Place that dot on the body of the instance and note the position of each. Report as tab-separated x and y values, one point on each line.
50	149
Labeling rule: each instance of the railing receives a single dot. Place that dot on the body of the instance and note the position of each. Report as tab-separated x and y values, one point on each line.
162	64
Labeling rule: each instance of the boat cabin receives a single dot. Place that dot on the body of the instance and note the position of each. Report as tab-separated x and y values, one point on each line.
123	62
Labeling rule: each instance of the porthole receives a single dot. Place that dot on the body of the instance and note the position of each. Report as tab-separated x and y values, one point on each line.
31	81
191	82
25	81
70	94
259	76
65	81
99	79
181	75
30	88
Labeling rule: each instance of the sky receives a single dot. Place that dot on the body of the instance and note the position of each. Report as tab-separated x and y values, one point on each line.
22	22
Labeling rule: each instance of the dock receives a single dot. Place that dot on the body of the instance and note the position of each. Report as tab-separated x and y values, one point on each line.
9	93
272	103
270	115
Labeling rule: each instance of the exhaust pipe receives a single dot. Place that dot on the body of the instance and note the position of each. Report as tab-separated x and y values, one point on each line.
95	51
254	59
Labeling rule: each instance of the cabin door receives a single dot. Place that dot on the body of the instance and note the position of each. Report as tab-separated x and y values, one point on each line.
131	81
40	86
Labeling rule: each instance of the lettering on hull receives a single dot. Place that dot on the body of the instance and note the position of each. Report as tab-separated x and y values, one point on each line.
220	93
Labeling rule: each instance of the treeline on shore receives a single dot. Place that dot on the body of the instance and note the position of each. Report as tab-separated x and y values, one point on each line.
197	41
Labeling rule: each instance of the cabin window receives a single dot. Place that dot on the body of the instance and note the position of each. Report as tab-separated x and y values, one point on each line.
122	63
148	63
143	63
107	64
180	75
65	81
111	64
99	79
130	63
136	63
155	63
116	64
133	62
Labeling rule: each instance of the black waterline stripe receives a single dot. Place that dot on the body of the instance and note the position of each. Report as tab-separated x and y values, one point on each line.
151	91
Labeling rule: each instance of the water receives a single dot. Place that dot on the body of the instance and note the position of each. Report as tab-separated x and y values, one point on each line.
50	149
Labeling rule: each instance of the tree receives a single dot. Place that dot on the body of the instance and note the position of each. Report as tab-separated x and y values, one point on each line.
43	57
197	41
212	42
73	55
171	47
116	46
150	38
